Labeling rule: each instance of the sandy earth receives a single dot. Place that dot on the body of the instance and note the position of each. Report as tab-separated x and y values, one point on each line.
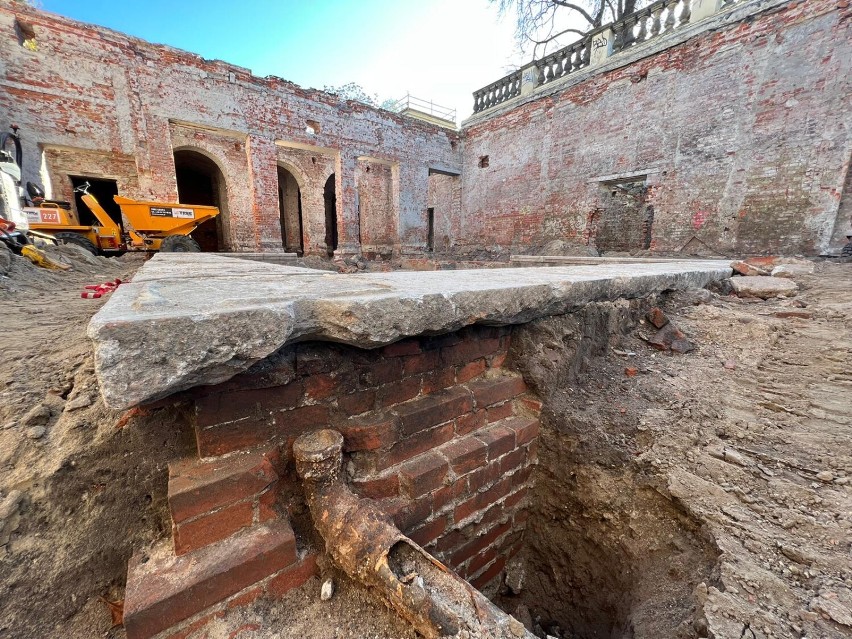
706	495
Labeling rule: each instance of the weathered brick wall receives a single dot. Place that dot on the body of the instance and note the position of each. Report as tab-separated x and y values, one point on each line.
744	132
86	88
436	429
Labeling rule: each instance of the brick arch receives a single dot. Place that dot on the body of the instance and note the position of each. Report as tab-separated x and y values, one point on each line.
220	228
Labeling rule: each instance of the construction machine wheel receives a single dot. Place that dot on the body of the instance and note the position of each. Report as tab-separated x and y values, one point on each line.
179	244
76	238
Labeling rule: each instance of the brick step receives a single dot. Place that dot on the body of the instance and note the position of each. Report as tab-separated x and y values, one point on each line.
213	499
164	589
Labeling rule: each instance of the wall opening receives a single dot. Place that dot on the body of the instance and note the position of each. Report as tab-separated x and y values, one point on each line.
103	190
290	211
330	200
200	181
624	216
430	229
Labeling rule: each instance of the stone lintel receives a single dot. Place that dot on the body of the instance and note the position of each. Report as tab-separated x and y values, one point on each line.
190	319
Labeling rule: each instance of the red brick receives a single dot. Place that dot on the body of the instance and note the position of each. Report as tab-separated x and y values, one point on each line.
466	454
371	432
482	501
469	350
481	560
429	532
530	403
469	371
357	403
320	386
233	436
479	544
489	574
449	494
243	405
412	514
398	392
499	389
421	363
404	347
498	412
438	380
471	422
301	420
499	439
377	487
197	487
484	477
512	460
423	474
213	527
293	576
165	590
405	449
382	371
426	412
266	505
526	430
515	498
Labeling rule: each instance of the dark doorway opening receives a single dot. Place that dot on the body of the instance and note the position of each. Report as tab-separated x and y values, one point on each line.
430	238
199	181
103	190
290	210
625	218
330	198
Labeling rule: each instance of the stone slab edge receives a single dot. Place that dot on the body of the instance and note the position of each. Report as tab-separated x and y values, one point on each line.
194	319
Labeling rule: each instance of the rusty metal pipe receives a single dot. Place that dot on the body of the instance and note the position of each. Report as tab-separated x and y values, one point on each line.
363	541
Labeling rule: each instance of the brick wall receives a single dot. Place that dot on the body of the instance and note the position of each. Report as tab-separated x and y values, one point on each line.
435	428
438	430
89	89
745	133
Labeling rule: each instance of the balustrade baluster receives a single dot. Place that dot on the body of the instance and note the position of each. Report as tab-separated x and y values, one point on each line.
670	14
629	38
643	31
686	13
656	26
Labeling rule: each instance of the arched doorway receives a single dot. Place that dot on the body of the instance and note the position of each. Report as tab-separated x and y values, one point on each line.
200	181
330	198
290	209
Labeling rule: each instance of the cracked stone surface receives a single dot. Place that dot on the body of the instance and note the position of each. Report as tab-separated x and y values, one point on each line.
193	319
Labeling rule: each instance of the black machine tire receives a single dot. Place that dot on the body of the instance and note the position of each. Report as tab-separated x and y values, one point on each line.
76	238
179	244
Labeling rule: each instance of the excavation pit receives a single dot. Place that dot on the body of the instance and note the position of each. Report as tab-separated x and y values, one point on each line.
448	390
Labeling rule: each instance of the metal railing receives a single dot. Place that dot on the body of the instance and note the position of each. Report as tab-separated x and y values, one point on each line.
424	106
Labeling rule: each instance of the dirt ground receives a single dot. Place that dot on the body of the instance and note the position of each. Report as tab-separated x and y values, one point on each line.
697	495
701	495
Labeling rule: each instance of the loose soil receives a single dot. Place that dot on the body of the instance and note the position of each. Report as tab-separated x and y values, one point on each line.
705	496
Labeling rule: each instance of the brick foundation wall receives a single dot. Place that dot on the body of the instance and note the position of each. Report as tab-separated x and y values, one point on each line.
436	429
744	133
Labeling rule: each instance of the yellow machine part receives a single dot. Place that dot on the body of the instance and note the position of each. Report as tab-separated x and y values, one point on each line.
38	258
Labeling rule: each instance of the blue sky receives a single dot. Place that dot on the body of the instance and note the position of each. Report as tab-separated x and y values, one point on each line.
440	50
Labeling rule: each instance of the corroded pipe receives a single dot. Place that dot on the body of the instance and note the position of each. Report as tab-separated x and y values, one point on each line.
363	541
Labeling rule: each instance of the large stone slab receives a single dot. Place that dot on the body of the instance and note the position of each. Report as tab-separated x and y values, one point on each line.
763	286
192	319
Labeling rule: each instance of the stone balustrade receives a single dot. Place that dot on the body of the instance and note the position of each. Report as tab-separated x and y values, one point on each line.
646	24
497	92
